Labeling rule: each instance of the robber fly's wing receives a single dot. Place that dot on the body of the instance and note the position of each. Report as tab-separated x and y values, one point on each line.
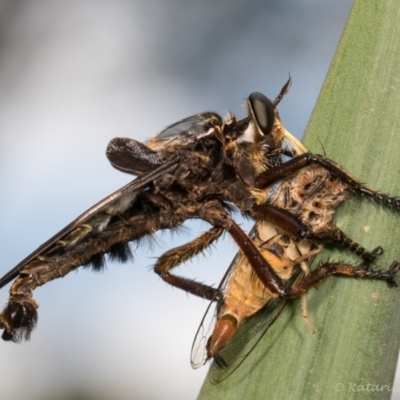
133	157
97	216
186	130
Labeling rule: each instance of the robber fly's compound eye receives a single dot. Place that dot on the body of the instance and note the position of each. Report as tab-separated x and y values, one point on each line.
263	112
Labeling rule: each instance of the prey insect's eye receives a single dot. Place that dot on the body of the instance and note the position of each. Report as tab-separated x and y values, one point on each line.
263	112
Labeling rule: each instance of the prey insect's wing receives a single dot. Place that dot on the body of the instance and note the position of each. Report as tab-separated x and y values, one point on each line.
246	339
248	335
199	355
97	216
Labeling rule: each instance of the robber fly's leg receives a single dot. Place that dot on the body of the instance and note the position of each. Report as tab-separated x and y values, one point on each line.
328	269
278	287
290	224
20	314
178	255
284	170
19	317
263	270
213	213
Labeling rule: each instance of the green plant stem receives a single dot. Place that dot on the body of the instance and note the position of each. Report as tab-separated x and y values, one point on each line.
356	122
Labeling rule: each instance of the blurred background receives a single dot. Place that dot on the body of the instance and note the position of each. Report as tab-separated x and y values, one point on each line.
75	74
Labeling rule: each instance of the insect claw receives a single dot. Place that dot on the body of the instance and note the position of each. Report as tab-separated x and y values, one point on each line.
393	270
370	257
377	252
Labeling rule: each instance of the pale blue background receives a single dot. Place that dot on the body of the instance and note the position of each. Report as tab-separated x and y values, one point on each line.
73	75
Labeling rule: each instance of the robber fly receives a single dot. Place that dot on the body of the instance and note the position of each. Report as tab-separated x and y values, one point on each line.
202	167
182	173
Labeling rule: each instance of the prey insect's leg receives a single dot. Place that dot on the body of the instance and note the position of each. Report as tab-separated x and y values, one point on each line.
290	224
275	174
178	255
306	270
328	269
304	313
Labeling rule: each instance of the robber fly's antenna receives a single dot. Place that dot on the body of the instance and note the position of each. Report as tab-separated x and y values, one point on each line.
284	90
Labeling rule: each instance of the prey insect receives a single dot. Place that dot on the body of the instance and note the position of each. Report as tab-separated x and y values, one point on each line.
312	196
202	167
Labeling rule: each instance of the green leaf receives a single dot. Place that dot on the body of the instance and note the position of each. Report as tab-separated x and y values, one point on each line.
356	122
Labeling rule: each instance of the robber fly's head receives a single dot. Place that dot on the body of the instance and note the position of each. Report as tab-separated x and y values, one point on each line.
263	122
261	118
